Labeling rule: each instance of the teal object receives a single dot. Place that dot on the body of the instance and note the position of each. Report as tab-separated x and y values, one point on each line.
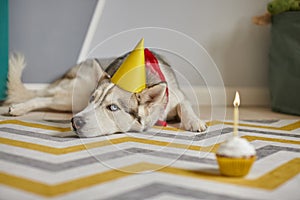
284	63
3	47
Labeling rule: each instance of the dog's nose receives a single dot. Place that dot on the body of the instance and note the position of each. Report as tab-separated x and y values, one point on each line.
77	123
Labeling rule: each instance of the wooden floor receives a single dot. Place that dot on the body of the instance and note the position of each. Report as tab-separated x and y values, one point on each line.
206	113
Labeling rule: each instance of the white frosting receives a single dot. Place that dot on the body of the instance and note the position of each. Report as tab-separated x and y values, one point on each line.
236	147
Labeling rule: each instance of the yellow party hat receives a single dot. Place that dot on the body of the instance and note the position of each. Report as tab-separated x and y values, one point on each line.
131	75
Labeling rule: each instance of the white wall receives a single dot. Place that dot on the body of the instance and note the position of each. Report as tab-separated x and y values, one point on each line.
223	27
50	34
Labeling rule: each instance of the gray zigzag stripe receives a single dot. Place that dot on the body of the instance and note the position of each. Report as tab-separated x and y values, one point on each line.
267	121
198	137
37	135
98	158
219	132
65	139
156	189
55	167
269	133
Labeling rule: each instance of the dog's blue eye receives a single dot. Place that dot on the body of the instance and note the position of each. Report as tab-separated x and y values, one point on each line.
113	107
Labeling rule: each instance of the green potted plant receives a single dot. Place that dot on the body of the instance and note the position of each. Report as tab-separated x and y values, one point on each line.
284	55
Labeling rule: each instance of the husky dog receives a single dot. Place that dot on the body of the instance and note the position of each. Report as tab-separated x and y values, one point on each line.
102	107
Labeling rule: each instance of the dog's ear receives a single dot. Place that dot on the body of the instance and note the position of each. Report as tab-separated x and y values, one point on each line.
100	73
154	94
151	104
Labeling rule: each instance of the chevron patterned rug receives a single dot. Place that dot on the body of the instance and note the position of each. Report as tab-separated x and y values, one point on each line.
40	161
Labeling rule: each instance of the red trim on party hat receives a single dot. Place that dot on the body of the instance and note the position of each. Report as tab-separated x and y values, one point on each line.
152	64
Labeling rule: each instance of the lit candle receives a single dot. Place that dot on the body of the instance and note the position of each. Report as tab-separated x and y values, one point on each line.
236	104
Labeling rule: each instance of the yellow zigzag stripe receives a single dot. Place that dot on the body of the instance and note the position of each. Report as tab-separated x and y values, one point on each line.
269	181
76	148
36	125
289	127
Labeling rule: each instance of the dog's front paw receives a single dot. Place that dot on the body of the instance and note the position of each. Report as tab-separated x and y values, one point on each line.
195	125
16	110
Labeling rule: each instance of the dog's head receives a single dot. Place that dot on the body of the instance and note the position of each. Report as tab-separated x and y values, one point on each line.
112	109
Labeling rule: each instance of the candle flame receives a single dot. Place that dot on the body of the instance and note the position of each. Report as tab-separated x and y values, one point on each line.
236	101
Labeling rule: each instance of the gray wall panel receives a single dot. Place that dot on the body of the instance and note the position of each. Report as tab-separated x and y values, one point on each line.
50	33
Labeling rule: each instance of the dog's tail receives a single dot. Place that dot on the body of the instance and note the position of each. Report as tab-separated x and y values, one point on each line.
16	91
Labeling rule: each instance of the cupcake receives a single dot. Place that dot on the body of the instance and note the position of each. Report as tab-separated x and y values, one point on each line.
235	157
